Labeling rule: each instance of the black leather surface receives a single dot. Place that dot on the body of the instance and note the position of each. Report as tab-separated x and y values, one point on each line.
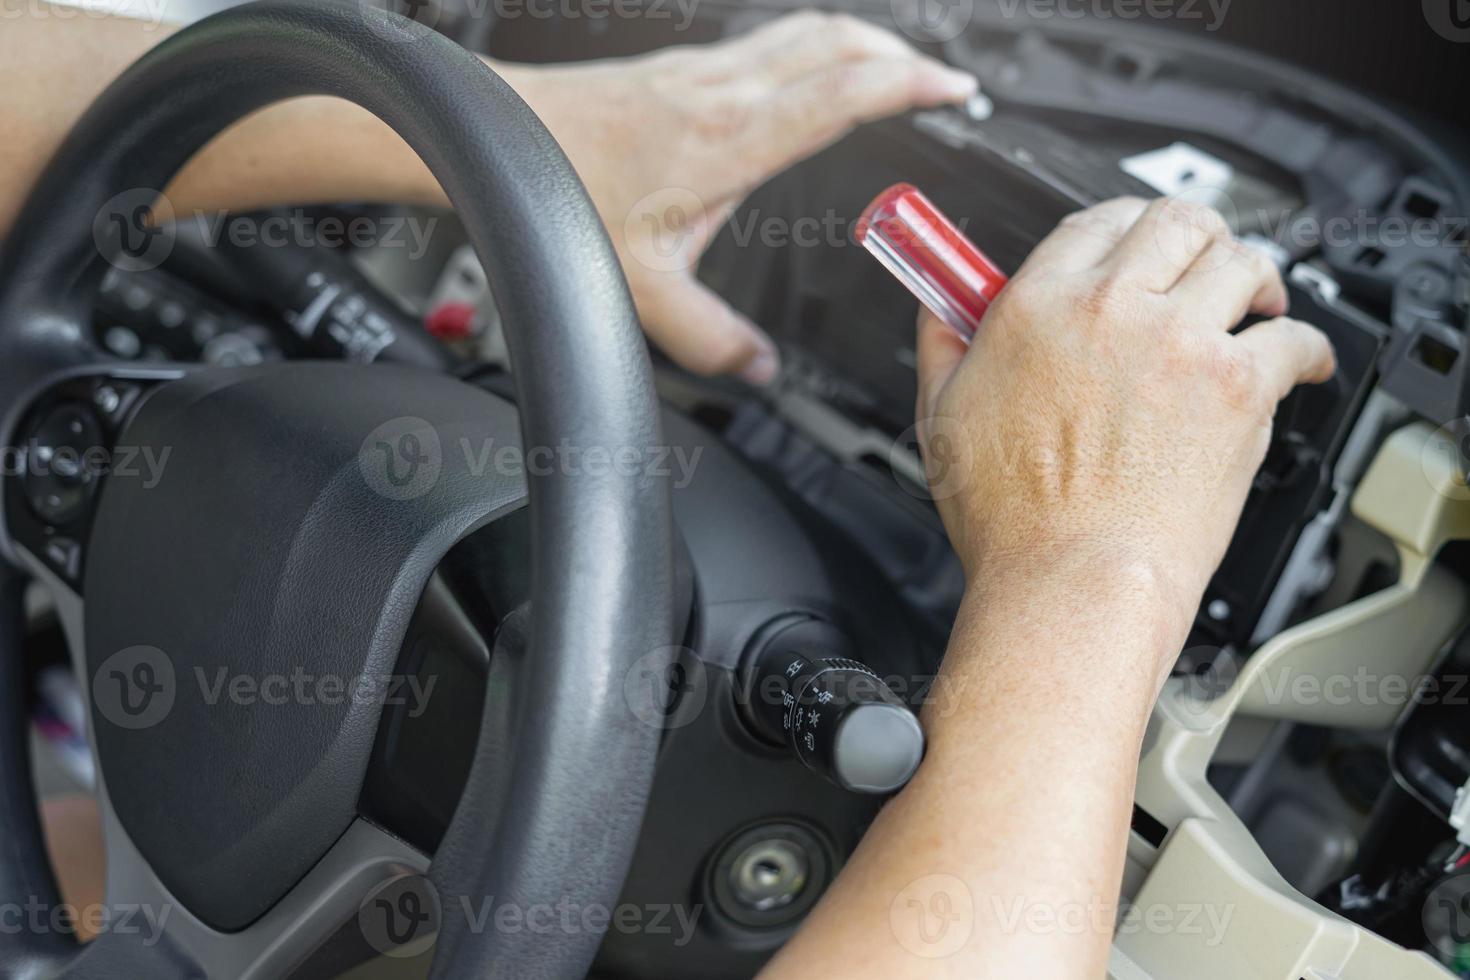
602	542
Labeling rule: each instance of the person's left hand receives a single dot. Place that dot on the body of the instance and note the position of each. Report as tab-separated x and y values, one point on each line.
670	143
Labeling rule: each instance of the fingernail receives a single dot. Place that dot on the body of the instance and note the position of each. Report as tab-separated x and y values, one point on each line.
763	368
959	84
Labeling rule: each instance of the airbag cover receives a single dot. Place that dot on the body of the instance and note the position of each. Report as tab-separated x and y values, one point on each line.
251	605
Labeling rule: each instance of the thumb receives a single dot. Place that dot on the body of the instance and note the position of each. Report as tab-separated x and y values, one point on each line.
701	332
938	354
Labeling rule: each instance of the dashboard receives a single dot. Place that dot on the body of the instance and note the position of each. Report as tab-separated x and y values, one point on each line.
826	461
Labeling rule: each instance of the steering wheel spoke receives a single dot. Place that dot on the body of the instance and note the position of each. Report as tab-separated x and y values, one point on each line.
356	886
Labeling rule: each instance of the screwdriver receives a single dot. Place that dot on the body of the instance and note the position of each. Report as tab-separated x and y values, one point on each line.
929	255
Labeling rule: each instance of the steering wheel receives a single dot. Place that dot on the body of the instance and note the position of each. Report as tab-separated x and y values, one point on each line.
300	515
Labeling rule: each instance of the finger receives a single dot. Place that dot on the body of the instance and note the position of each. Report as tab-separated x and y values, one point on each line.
938	352
819	108
1085	239
819	41
701	332
1165	242
1288	353
1229	280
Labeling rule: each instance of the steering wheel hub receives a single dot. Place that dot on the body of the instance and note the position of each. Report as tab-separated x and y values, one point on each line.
261	596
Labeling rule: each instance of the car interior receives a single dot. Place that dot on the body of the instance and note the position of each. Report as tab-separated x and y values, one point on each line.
328	414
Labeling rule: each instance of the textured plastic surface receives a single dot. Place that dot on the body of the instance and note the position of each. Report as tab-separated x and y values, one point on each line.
244	561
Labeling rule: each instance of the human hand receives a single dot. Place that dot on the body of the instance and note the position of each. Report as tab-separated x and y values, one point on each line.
670	143
1105	418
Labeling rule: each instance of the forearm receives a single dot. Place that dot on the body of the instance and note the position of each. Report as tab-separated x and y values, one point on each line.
1004	856
311	150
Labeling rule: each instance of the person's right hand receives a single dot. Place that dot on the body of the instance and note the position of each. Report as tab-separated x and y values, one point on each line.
1106	419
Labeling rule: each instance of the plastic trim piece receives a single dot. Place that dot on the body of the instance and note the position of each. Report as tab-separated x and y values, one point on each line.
1246	920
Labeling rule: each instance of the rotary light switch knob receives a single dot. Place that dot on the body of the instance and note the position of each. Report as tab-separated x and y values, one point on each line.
835	715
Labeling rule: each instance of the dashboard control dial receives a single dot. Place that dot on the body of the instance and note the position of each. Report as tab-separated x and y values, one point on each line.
836	716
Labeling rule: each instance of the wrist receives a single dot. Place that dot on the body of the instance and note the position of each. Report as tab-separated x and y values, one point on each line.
1079	616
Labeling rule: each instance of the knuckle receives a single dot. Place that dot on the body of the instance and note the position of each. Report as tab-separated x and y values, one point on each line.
1236	376
1087	218
1192	214
1236	250
1109	298
1179	348
1099	223
1261	266
1120	209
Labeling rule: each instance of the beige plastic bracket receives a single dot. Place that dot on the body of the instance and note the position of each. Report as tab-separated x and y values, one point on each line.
1355	667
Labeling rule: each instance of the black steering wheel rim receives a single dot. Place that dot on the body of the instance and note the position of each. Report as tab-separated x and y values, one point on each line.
601	545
